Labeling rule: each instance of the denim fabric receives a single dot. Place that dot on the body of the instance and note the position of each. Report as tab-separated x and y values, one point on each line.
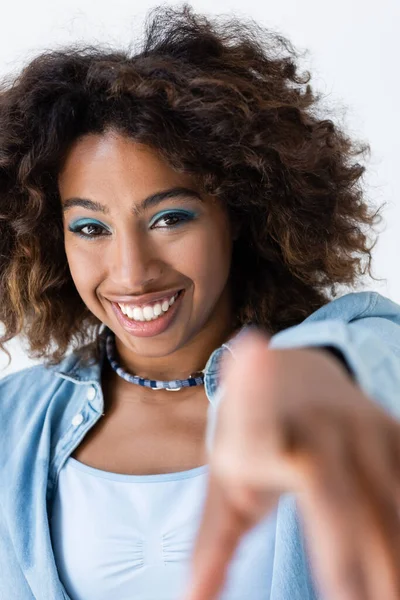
45	413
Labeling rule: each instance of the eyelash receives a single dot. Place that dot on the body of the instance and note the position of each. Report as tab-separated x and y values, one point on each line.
182	218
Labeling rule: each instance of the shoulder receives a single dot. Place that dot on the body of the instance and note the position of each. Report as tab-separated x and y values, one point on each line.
358	305
26	390
27	394
363	311
33	376
369	313
40	379
30	376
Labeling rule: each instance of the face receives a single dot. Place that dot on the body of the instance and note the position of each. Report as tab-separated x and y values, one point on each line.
119	249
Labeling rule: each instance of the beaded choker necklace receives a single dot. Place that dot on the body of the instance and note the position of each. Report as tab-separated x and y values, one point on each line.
172	386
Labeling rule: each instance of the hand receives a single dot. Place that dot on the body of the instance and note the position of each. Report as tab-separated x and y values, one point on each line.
292	420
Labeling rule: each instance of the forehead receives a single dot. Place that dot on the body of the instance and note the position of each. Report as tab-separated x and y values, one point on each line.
104	160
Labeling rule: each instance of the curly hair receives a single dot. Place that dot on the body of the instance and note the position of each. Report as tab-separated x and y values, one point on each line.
222	101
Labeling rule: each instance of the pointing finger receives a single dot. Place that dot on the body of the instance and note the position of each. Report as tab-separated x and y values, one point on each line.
221	528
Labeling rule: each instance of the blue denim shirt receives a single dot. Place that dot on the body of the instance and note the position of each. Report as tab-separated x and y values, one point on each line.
45	412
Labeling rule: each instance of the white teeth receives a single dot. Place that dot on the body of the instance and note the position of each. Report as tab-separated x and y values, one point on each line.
148	313
136	314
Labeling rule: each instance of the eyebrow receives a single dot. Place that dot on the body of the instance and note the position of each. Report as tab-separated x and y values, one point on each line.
150	201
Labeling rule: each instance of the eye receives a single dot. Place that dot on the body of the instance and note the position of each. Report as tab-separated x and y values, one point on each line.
176	217
90	226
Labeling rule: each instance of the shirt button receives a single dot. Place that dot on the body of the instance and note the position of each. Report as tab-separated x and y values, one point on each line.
91	394
77	420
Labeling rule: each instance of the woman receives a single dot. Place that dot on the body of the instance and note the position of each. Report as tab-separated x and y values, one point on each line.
181	220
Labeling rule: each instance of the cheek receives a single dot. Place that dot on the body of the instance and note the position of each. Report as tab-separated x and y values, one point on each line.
207	259
82	267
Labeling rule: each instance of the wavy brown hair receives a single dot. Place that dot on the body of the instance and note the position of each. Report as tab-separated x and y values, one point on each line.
220	99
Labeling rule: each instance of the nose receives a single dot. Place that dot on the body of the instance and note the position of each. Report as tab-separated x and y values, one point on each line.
133	261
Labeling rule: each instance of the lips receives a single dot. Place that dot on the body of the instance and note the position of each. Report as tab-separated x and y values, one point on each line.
148	328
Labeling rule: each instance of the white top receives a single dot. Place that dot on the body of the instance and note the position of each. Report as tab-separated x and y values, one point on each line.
132	536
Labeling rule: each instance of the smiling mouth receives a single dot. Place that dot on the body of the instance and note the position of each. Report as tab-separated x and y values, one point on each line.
151	311
152	326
